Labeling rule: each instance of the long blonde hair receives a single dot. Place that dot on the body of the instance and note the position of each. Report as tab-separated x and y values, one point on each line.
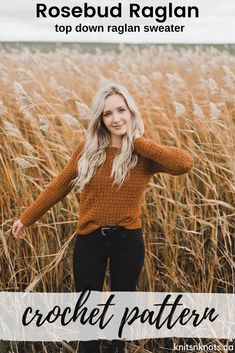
98	138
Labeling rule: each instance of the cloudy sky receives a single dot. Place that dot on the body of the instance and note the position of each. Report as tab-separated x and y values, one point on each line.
216	23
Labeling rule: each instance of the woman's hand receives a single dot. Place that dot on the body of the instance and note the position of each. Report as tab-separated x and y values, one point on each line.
18	229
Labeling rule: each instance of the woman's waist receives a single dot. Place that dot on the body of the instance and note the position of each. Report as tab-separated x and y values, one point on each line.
109	232
90	222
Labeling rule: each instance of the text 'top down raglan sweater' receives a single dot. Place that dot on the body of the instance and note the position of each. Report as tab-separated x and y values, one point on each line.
103	203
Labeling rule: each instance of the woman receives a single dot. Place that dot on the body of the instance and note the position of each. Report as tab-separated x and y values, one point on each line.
110	170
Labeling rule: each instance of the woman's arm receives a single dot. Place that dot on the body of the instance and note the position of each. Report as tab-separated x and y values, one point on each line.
54	192
165	159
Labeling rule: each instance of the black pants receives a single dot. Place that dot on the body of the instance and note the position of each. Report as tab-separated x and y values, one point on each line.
125	250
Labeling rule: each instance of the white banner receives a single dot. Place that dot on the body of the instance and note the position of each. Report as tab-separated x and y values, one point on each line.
115	315
129	21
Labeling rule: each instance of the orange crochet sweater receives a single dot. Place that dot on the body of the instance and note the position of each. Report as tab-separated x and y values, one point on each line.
102	203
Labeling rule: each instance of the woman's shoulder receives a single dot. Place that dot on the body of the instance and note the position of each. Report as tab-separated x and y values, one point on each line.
81	143
78	150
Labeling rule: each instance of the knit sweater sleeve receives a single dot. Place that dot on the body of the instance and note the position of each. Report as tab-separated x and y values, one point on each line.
165	159
54	192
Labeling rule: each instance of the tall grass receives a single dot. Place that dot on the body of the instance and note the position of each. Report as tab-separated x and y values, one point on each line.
187	99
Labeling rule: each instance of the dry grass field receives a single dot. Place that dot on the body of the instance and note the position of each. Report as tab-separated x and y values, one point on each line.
187	99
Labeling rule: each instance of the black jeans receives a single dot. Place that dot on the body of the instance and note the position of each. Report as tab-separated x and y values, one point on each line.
125	250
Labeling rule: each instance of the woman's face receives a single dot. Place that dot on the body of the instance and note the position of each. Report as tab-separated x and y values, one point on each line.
116	115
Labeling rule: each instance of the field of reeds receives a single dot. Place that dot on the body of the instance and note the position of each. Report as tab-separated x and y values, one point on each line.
187	99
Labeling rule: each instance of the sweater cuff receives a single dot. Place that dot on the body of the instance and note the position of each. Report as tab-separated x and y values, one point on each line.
26	219
25	224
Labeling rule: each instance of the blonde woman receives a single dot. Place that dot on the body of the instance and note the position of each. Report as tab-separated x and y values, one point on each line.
110	169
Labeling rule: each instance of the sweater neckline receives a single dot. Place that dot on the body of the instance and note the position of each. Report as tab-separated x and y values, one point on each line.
113	148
